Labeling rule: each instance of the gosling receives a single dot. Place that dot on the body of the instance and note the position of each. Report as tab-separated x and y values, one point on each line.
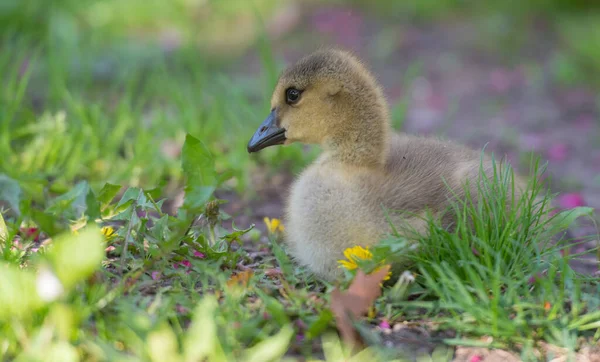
329	98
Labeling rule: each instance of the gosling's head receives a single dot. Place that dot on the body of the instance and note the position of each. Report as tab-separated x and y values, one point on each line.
327	98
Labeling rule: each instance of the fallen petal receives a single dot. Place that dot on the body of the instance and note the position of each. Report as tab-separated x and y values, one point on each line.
476	358
570	200
384	324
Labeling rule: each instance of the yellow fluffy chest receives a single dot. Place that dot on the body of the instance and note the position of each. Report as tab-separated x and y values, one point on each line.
327	212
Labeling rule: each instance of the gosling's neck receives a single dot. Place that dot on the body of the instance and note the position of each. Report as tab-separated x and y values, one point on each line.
365	146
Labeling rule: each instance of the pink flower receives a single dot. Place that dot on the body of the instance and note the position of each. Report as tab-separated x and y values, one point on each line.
198	254
185	263
31	233
384	324
155	275
558	152
534	278
570	200
476	358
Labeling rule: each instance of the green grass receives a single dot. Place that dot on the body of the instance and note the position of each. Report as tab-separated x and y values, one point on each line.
84	117
508	276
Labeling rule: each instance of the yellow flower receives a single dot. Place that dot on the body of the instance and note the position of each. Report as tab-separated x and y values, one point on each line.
356	253
273	225
388	275
107	231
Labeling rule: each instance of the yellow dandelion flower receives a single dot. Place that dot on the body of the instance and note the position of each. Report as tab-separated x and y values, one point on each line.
388	275
107	231
354	254
273	225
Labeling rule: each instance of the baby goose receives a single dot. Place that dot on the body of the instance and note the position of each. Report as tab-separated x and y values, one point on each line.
329	98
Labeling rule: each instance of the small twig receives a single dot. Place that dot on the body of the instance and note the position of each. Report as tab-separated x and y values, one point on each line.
155	205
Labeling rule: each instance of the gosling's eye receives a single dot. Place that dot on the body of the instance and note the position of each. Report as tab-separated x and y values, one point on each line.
292	95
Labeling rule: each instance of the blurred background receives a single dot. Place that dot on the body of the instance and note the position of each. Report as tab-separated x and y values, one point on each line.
105	90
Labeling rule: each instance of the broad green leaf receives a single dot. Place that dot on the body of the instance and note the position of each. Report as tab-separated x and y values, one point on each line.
45	221
162	345
271	349
75	257
61	351
202	342
199	170
132	193
108	192
566	218
10	191
225	176
64	320
18	295
71	202
93	206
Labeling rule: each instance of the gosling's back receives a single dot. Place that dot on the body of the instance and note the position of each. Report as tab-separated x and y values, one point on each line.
333	206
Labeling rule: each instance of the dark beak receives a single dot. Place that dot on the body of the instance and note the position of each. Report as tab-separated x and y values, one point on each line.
268	134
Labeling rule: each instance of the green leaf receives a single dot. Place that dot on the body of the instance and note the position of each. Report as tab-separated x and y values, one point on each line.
18	295
275	308
61	351
92	206
153	194
10	191
199	171
76	257
202	342
318	326
271	349
3	229
283	259
162	344
45	221
236	234
71	202
108	192
225	176
566	218
132	193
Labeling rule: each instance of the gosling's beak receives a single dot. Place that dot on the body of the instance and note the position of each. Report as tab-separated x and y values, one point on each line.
268	134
